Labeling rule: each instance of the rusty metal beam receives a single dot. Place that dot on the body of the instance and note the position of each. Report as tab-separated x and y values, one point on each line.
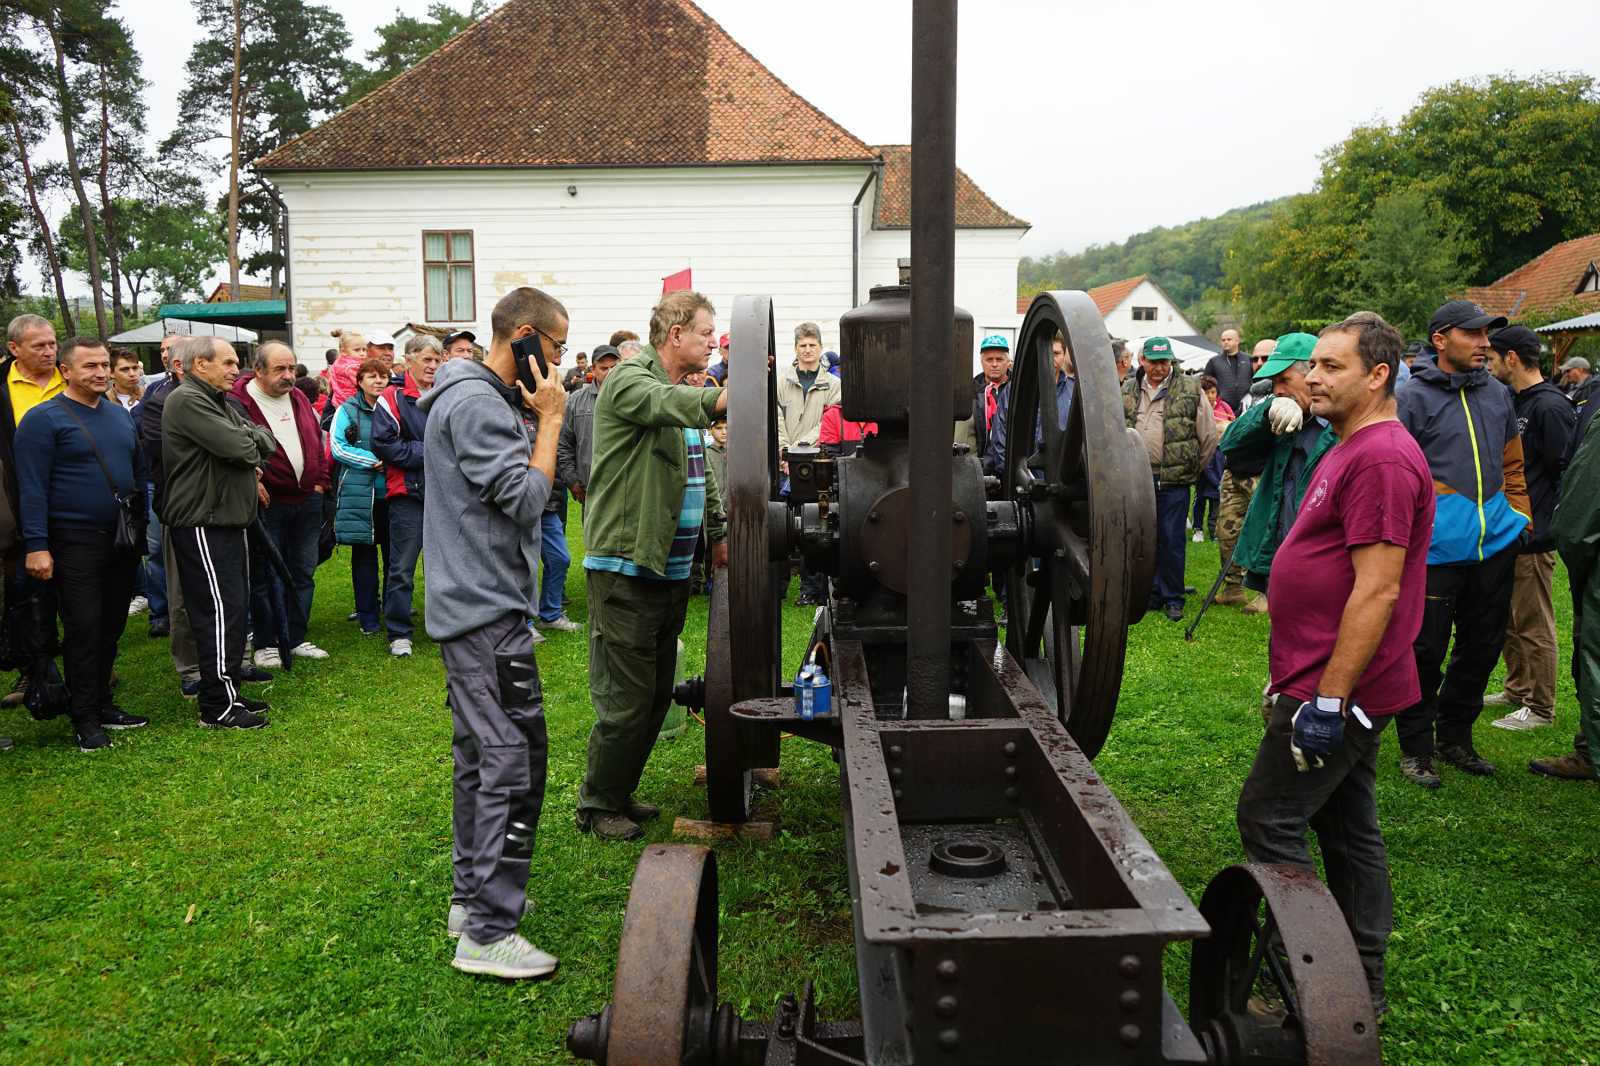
933	295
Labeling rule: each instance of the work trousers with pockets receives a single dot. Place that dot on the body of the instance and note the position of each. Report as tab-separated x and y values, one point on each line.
1586	662
1233	504
405	548
1339	802
294	528
1473	601
1531	635
500	751
634	624
213	565
1172	507
93	582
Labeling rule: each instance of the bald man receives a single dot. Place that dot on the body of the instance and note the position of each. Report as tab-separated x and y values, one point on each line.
1239	477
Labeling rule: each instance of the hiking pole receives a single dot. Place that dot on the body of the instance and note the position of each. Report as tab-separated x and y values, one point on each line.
1216	586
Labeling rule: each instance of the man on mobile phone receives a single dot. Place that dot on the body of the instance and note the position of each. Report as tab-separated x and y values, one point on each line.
480	529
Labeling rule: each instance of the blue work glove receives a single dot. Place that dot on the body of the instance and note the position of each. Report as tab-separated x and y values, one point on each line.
1319	730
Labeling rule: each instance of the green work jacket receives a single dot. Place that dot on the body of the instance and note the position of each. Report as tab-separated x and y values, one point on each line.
1250	437
640	465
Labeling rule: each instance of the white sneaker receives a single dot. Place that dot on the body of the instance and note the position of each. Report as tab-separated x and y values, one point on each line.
307	650
1199	537
511	956
400	646
1524	719
1499	699
562	624
138	605
456	922
269	659
533	631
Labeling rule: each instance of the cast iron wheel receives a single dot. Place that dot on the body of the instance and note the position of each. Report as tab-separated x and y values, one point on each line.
744	636
664	1003
1279	979
1093	519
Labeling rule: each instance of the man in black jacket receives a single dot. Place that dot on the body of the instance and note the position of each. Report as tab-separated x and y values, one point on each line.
1231	369
1545	419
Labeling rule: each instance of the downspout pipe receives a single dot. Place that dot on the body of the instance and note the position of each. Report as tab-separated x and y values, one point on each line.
855	233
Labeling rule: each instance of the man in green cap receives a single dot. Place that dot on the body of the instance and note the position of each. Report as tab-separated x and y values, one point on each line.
1290	441
1171	416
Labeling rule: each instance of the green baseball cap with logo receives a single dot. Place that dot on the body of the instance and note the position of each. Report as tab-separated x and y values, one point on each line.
1292	348
1156	349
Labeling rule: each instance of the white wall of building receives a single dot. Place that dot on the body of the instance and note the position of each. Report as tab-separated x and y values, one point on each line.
355	245
1169	320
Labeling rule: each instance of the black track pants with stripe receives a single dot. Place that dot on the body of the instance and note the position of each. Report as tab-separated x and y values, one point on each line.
214	568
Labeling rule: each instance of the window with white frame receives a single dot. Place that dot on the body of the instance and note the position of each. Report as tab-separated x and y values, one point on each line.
447	276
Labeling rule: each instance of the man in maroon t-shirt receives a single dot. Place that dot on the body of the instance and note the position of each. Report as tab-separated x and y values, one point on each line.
1342	627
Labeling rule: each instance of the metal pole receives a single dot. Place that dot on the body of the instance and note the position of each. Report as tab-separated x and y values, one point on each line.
933	295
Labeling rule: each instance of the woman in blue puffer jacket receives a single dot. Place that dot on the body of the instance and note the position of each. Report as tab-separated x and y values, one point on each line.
360	518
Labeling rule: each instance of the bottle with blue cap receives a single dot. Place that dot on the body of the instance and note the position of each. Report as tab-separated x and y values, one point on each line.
813	691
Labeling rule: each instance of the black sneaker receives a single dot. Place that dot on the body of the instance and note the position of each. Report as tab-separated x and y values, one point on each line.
1419	770
254	706
115	717
235	717
6	743
93	741
1462	757
160	627
191	689
1174	612
253	674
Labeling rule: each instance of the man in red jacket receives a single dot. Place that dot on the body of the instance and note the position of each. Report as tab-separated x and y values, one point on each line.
291	485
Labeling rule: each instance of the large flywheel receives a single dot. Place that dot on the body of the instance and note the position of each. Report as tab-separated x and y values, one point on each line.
745	635
1086	483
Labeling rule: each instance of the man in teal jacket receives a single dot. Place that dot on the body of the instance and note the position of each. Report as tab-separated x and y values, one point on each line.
1285	436
648	496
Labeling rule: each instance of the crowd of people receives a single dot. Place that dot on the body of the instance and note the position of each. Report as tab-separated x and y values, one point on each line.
1421	495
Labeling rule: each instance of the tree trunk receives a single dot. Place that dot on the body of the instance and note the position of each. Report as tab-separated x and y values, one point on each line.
91	243
43	223
233	164
107	206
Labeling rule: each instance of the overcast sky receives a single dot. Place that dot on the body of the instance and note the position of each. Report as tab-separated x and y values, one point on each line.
1093	121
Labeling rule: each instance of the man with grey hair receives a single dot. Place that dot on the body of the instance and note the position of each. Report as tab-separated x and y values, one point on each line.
805	390
213	457
399	428
30	377
293	482
628	349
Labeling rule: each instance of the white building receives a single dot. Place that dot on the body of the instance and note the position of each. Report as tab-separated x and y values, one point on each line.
433	196
1135	308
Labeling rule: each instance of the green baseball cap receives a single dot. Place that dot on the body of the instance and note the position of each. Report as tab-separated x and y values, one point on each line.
1292	348
1156	349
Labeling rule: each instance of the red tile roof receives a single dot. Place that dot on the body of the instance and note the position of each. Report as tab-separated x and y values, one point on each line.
974	209
1106	297
1544	283
541	83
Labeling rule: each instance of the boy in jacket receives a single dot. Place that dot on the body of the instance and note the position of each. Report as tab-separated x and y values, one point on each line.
1465	423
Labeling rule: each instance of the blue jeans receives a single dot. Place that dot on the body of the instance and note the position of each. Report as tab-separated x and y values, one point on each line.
367	576
555	558
1172	507
294	528
155	566
405	546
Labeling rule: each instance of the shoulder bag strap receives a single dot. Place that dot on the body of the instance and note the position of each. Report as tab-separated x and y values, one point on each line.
104	469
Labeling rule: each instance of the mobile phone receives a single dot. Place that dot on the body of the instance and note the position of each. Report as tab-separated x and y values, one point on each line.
521	350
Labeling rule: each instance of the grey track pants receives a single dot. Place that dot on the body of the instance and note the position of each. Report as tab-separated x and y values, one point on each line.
500	751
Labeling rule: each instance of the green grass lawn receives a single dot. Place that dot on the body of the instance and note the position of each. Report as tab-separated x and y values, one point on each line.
280	896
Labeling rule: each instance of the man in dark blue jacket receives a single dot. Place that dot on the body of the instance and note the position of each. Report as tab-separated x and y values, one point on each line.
75	466
1467	427
1546	419
398	428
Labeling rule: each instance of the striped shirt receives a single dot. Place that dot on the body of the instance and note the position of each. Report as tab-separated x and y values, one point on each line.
680	557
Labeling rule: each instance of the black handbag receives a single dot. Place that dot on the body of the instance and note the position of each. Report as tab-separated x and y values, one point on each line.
129	535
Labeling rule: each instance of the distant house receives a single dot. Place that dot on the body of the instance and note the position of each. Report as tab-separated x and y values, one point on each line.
1565	277
634	141
247	292
1137	307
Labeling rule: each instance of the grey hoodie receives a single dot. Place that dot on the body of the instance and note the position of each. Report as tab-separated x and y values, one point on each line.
480	517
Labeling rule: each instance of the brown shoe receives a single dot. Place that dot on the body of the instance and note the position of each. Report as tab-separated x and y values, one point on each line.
1232	596
641	812
609	825
1256	606
18	693
1569	767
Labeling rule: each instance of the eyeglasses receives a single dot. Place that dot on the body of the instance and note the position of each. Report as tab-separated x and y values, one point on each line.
561	349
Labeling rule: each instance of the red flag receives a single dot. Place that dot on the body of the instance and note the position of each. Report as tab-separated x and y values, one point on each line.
675	282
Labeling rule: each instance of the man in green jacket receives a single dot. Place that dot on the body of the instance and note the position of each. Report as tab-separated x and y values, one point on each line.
1291	442
213	457
648	496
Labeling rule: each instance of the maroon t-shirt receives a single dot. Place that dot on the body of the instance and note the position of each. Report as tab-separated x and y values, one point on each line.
1373	488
